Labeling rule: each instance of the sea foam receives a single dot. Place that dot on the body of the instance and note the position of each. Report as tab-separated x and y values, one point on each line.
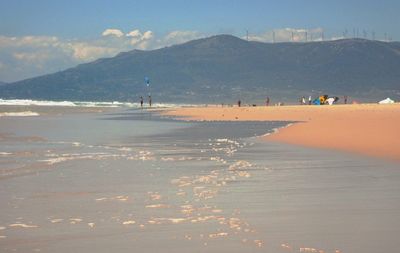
18	114
29	102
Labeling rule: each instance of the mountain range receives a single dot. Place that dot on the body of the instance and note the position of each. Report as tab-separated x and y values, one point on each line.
226	68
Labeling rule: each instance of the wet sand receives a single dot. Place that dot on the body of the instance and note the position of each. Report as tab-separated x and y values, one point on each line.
130	182
121	182
368	129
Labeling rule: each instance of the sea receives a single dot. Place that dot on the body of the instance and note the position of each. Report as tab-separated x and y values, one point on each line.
113	177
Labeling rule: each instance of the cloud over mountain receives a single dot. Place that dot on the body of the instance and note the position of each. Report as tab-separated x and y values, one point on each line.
29	56
289	34
177	37
140	40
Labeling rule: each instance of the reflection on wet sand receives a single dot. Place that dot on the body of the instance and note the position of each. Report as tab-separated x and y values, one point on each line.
194	211
197	193
179	194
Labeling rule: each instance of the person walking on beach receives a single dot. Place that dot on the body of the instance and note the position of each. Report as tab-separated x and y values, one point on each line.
303	101
345	99
141	101
309	100
267	102
149	100
239	103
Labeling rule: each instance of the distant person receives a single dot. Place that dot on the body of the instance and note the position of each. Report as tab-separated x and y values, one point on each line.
303	100
267	102
309	100
141	101
345	99
239	103
149	100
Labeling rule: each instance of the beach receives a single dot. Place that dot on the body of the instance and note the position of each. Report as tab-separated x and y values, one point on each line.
369	129
130	179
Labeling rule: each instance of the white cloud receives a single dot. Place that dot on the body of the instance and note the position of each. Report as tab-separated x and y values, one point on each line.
85	52
178	37
28	41
39	41
113	32
288	35
140	40
32	57
134	33
135	41
148	35
28	56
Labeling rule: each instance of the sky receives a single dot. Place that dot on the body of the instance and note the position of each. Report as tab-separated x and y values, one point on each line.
44	36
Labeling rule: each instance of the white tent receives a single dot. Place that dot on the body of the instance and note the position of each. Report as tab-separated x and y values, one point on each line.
386	101
330	101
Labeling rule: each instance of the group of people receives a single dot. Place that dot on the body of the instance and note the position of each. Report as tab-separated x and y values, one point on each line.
142	101
304	101
267	101
239	103
324	99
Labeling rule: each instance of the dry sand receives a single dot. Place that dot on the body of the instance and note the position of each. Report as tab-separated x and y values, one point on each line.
369	129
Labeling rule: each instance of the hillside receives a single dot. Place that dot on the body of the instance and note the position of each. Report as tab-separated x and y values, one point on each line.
224	67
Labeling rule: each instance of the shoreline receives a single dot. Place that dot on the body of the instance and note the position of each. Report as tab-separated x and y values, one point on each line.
366	129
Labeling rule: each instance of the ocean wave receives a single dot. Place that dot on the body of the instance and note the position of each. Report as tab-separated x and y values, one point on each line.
18	114
29	102
276	129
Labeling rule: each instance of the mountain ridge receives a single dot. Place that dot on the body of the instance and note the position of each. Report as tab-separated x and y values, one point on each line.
224	67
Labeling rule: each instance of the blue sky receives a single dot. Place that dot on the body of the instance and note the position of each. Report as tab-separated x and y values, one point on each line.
88	18
38	36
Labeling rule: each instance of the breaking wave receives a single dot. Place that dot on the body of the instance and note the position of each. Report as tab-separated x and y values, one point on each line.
18	114
29	102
